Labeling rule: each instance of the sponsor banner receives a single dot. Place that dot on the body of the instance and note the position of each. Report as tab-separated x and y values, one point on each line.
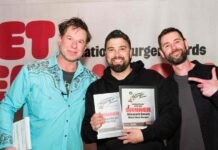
29	32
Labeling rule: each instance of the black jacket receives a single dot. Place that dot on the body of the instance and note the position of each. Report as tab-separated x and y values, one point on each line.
167	121
206	108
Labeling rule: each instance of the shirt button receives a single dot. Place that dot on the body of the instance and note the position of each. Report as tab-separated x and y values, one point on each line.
68	105
66	120
65	135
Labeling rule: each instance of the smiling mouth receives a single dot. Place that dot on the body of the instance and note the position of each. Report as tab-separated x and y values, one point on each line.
117	61
176	53
72	52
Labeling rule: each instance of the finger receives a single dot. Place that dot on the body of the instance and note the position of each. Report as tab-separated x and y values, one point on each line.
98	126
213	72
202	90
200	86
98	115
123	137
196	79
125	142
97	118
94	116
126	130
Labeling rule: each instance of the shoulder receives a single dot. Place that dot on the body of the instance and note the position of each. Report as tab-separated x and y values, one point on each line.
202	70
38	65
89	73
98	82
151	73
97	86
200	66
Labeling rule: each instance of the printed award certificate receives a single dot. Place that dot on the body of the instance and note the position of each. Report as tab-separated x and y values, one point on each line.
21	134
109	105
138	104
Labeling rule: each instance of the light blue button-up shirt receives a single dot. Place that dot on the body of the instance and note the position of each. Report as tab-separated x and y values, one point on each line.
55	118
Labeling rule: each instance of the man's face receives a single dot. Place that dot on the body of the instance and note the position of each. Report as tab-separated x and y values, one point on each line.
72	44
118	54
173	48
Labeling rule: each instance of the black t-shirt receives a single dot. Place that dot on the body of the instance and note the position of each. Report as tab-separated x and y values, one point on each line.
68	76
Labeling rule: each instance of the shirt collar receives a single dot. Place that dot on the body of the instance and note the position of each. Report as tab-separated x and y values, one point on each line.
53	62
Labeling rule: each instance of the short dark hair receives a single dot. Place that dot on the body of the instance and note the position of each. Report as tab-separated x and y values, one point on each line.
168	30
74	22
117	34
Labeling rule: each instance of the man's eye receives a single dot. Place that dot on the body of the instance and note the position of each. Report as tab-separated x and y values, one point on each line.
177	42
166	46
81	42
110	49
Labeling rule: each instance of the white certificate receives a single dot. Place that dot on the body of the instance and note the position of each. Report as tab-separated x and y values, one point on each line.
108	104
21	134
138	106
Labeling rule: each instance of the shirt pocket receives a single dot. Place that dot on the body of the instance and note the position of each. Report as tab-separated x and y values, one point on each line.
45	103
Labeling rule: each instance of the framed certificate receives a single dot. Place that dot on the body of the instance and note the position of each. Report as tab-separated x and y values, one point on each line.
138	105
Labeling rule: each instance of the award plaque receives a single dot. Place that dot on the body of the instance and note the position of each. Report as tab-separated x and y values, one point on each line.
138	106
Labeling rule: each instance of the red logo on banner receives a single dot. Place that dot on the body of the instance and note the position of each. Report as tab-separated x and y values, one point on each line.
162	68
98	69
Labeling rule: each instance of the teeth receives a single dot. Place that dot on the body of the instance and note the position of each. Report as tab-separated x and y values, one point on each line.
118	60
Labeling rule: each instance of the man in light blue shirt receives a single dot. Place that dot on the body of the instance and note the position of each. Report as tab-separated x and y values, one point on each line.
52	92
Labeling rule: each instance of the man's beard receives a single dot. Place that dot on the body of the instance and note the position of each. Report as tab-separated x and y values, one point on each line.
177	61
120	67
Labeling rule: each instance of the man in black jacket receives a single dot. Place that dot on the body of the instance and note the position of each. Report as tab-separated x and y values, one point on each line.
197	88
120	71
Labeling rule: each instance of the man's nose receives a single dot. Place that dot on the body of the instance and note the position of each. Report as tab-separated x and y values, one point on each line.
74	44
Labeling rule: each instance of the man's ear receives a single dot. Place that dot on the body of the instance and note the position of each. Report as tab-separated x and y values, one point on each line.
161	53
59	40
86	45
130	53
186	44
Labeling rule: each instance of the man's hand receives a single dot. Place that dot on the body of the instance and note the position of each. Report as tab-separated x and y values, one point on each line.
207	87
96	121
133	136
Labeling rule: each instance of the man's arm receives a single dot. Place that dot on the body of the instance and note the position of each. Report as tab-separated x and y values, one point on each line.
13	100
88	134
168	115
